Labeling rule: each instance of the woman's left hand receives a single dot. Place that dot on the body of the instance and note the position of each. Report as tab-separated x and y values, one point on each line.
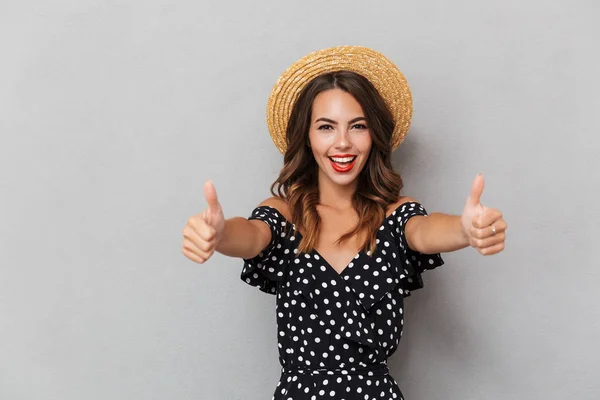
483	226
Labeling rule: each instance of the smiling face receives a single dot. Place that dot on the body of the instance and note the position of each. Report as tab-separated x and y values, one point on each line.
339	137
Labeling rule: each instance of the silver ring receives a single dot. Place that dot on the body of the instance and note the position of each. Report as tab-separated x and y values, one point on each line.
493	230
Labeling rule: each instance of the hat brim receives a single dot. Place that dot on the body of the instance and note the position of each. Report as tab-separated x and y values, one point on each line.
380	71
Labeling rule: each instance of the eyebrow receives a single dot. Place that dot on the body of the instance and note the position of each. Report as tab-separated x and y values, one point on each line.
335	123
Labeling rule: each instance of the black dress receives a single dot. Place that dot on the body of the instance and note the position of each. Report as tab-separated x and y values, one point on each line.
335	330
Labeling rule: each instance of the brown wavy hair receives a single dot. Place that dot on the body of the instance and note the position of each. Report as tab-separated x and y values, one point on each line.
378	184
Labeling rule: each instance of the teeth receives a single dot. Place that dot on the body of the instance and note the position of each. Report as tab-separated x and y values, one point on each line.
342	159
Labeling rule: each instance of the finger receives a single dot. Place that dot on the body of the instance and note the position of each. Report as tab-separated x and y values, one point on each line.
192	256
206	232
485	232
488	251
202	229
499	224
198	245
199	233
488	241
474	198
210	193
191	246
489	216
199	254
205	254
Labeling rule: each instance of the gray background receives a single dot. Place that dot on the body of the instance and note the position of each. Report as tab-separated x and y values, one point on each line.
113	114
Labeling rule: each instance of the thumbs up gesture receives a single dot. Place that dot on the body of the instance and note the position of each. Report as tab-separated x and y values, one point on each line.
204	231
483	226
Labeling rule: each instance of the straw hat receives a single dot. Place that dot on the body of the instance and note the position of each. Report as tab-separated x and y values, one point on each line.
381	72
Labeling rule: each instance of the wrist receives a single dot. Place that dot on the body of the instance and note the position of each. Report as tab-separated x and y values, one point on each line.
220	234
464	234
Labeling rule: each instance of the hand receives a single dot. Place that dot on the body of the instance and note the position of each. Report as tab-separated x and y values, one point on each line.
479	222
204	231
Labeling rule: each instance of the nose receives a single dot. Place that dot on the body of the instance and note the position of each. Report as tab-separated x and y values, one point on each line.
342	140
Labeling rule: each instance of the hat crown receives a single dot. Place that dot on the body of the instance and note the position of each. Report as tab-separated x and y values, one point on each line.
379	70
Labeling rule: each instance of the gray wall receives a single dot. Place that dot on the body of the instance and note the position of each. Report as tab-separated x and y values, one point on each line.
113	114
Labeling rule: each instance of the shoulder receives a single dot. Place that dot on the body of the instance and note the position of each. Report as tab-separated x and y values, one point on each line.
280	205
401	200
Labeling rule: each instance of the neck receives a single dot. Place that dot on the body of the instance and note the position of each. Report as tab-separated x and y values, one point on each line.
336	196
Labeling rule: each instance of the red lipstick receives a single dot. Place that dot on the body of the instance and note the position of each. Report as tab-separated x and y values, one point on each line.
343	167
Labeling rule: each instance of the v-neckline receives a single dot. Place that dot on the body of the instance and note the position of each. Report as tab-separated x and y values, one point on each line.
360	252
314	252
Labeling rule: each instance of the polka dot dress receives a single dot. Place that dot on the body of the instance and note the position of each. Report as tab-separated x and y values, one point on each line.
335	330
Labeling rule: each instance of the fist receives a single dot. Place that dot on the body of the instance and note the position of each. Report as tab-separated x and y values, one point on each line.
484	227
204	231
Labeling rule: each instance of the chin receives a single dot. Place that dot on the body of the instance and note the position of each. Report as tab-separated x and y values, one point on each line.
343	182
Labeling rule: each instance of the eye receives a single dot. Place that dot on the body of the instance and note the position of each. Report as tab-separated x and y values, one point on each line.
325	127
359	126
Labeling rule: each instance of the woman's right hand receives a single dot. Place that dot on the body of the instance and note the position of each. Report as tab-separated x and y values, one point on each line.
204	231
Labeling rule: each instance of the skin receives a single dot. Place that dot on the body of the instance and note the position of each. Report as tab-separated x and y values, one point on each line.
338	127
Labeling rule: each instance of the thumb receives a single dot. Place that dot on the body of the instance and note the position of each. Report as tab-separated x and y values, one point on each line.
210	193
474	198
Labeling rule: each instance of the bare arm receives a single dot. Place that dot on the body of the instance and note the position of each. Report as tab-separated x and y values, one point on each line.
209	231
480	227
246	238
243	238
435	233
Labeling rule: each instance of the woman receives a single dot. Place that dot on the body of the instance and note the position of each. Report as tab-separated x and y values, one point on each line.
337	244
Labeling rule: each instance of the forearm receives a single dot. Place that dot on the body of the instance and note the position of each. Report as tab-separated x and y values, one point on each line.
241	238
440	233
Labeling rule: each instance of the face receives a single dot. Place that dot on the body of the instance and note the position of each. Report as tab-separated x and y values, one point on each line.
339	136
